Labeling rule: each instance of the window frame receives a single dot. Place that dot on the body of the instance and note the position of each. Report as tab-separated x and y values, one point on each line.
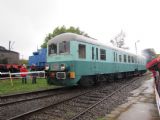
49	49
102	55
67	51
92	53
129	59
120	58
83	53
97	53
125	58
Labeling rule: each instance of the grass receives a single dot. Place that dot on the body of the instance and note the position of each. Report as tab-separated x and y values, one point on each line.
6	87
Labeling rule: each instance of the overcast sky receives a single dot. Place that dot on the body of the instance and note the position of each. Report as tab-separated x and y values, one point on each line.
27	22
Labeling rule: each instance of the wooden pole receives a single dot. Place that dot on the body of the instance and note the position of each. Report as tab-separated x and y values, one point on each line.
11	78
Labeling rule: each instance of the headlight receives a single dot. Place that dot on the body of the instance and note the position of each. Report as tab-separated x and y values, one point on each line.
63	67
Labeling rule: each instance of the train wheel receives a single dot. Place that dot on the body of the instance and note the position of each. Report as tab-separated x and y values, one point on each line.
87	81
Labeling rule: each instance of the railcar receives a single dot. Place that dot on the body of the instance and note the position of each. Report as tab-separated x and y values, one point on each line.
77	60
13	68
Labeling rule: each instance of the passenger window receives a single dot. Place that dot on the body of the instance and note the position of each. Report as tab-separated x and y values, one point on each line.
92	53
114	57
82	51
125	58
129	59
132	59
102	54
96	53
120	58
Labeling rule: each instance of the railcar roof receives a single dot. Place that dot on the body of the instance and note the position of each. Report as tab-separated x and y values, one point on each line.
81	38
71	36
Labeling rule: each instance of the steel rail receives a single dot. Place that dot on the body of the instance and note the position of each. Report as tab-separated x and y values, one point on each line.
83	112
28	99
21	116
27	93
43	108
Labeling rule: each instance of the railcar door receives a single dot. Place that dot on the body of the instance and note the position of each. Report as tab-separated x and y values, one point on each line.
94	60
115	69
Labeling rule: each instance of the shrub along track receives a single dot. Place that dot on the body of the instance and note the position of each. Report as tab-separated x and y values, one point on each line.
87	104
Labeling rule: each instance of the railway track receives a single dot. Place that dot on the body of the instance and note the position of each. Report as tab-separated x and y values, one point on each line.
14	104
21	97
29	99
24	95
76	106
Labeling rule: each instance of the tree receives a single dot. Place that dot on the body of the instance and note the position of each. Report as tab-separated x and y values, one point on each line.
149	53
118	41
24	61
60	30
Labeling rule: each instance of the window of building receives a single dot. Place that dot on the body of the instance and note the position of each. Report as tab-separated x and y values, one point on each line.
82	51
102	54
125	58
120	58
52	49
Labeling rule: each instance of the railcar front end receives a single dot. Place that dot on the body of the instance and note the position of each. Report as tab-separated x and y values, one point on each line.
62	73
61	61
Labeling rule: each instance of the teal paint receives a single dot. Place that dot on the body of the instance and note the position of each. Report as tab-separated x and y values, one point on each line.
89	66
85	68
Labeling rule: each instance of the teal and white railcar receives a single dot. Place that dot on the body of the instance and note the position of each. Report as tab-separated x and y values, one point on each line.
74	59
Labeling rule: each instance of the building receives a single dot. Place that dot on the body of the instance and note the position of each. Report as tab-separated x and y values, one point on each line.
8	56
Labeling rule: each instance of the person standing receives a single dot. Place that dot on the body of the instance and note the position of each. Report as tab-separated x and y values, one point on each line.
23	69
34	75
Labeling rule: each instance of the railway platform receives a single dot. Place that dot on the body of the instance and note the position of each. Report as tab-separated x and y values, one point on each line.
140	106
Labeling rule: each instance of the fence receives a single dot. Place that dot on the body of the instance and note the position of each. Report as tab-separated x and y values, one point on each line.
11	76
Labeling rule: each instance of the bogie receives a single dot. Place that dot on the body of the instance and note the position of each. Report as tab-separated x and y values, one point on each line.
87	81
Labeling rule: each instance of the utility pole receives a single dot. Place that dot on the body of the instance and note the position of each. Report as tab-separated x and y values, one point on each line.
136	53
9	45
136	45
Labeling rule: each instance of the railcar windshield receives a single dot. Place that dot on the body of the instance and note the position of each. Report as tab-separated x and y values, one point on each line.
52	49
59	48
64	47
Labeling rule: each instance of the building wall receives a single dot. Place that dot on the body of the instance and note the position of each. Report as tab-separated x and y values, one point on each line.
9	57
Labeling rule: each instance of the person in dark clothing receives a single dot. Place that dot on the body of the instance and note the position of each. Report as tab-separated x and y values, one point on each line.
11	69
34	75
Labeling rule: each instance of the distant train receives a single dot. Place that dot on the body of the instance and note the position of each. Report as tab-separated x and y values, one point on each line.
38	58
77	60
13	68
